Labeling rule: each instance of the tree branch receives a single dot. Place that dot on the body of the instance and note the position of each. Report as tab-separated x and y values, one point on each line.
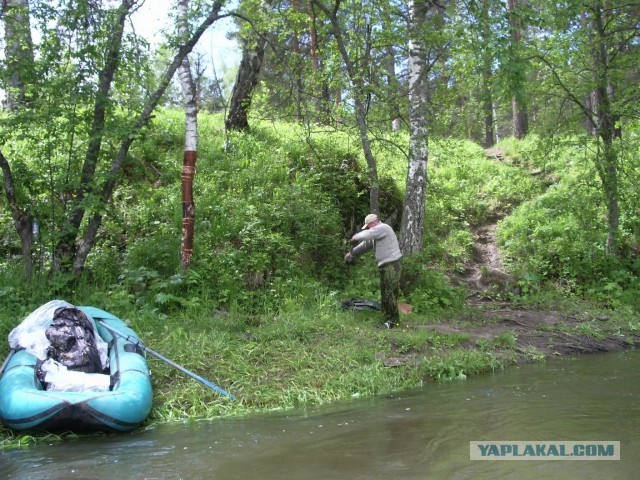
565	88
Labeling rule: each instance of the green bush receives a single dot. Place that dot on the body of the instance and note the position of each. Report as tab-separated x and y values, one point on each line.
426	289
560	236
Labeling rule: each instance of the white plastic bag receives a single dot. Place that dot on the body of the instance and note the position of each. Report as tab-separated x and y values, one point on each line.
30	334
61	379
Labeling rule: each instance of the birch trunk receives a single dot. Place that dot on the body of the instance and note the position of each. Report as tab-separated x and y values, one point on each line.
394	88
412	229
190	150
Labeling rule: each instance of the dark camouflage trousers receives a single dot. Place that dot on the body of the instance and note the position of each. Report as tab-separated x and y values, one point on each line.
390	290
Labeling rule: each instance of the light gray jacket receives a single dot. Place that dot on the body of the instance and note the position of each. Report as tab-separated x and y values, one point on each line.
382	239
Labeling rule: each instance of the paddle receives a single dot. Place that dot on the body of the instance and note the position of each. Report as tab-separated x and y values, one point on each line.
137	342
6	362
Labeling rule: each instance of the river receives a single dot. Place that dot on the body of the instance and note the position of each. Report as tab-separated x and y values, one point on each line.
423	434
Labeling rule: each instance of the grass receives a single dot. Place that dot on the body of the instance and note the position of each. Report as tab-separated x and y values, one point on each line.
310	352
306	355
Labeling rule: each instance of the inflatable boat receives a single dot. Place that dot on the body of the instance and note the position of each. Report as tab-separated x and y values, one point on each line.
122	405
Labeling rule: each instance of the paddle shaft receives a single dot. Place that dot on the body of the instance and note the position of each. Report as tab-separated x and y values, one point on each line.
137	342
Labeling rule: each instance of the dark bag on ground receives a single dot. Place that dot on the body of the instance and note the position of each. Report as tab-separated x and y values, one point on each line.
357	304
72	341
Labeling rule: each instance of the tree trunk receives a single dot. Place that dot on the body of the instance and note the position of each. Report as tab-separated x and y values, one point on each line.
372	166
323	101
589	99
487	107
605	126
520	118
487	74
412	229
190	150
495	118
590	125
519	107
19	64
246	81
610	183
18	51
22	220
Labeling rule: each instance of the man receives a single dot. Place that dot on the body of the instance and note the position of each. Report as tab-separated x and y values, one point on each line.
381	238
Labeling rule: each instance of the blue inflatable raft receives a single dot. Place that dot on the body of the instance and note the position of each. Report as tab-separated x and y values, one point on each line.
25	405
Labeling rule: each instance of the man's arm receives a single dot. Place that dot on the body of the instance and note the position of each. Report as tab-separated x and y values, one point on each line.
362	247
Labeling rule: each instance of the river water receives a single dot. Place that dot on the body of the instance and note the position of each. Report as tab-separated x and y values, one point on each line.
422	434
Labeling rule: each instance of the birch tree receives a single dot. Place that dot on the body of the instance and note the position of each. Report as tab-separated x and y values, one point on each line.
141	121
191	141
412	228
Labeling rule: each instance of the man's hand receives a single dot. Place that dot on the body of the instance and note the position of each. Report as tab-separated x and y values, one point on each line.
349	258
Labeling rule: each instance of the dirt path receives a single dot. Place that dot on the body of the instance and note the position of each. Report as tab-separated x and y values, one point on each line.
493	321
484	275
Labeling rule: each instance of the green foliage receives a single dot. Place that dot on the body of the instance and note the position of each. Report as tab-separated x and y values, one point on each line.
274	208
467	188
506	340
560	235
412	341
270	215
428	290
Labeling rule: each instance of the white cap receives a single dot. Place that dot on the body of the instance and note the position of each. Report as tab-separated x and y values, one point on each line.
372	217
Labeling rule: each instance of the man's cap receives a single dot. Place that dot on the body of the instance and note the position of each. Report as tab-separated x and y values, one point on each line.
372	217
